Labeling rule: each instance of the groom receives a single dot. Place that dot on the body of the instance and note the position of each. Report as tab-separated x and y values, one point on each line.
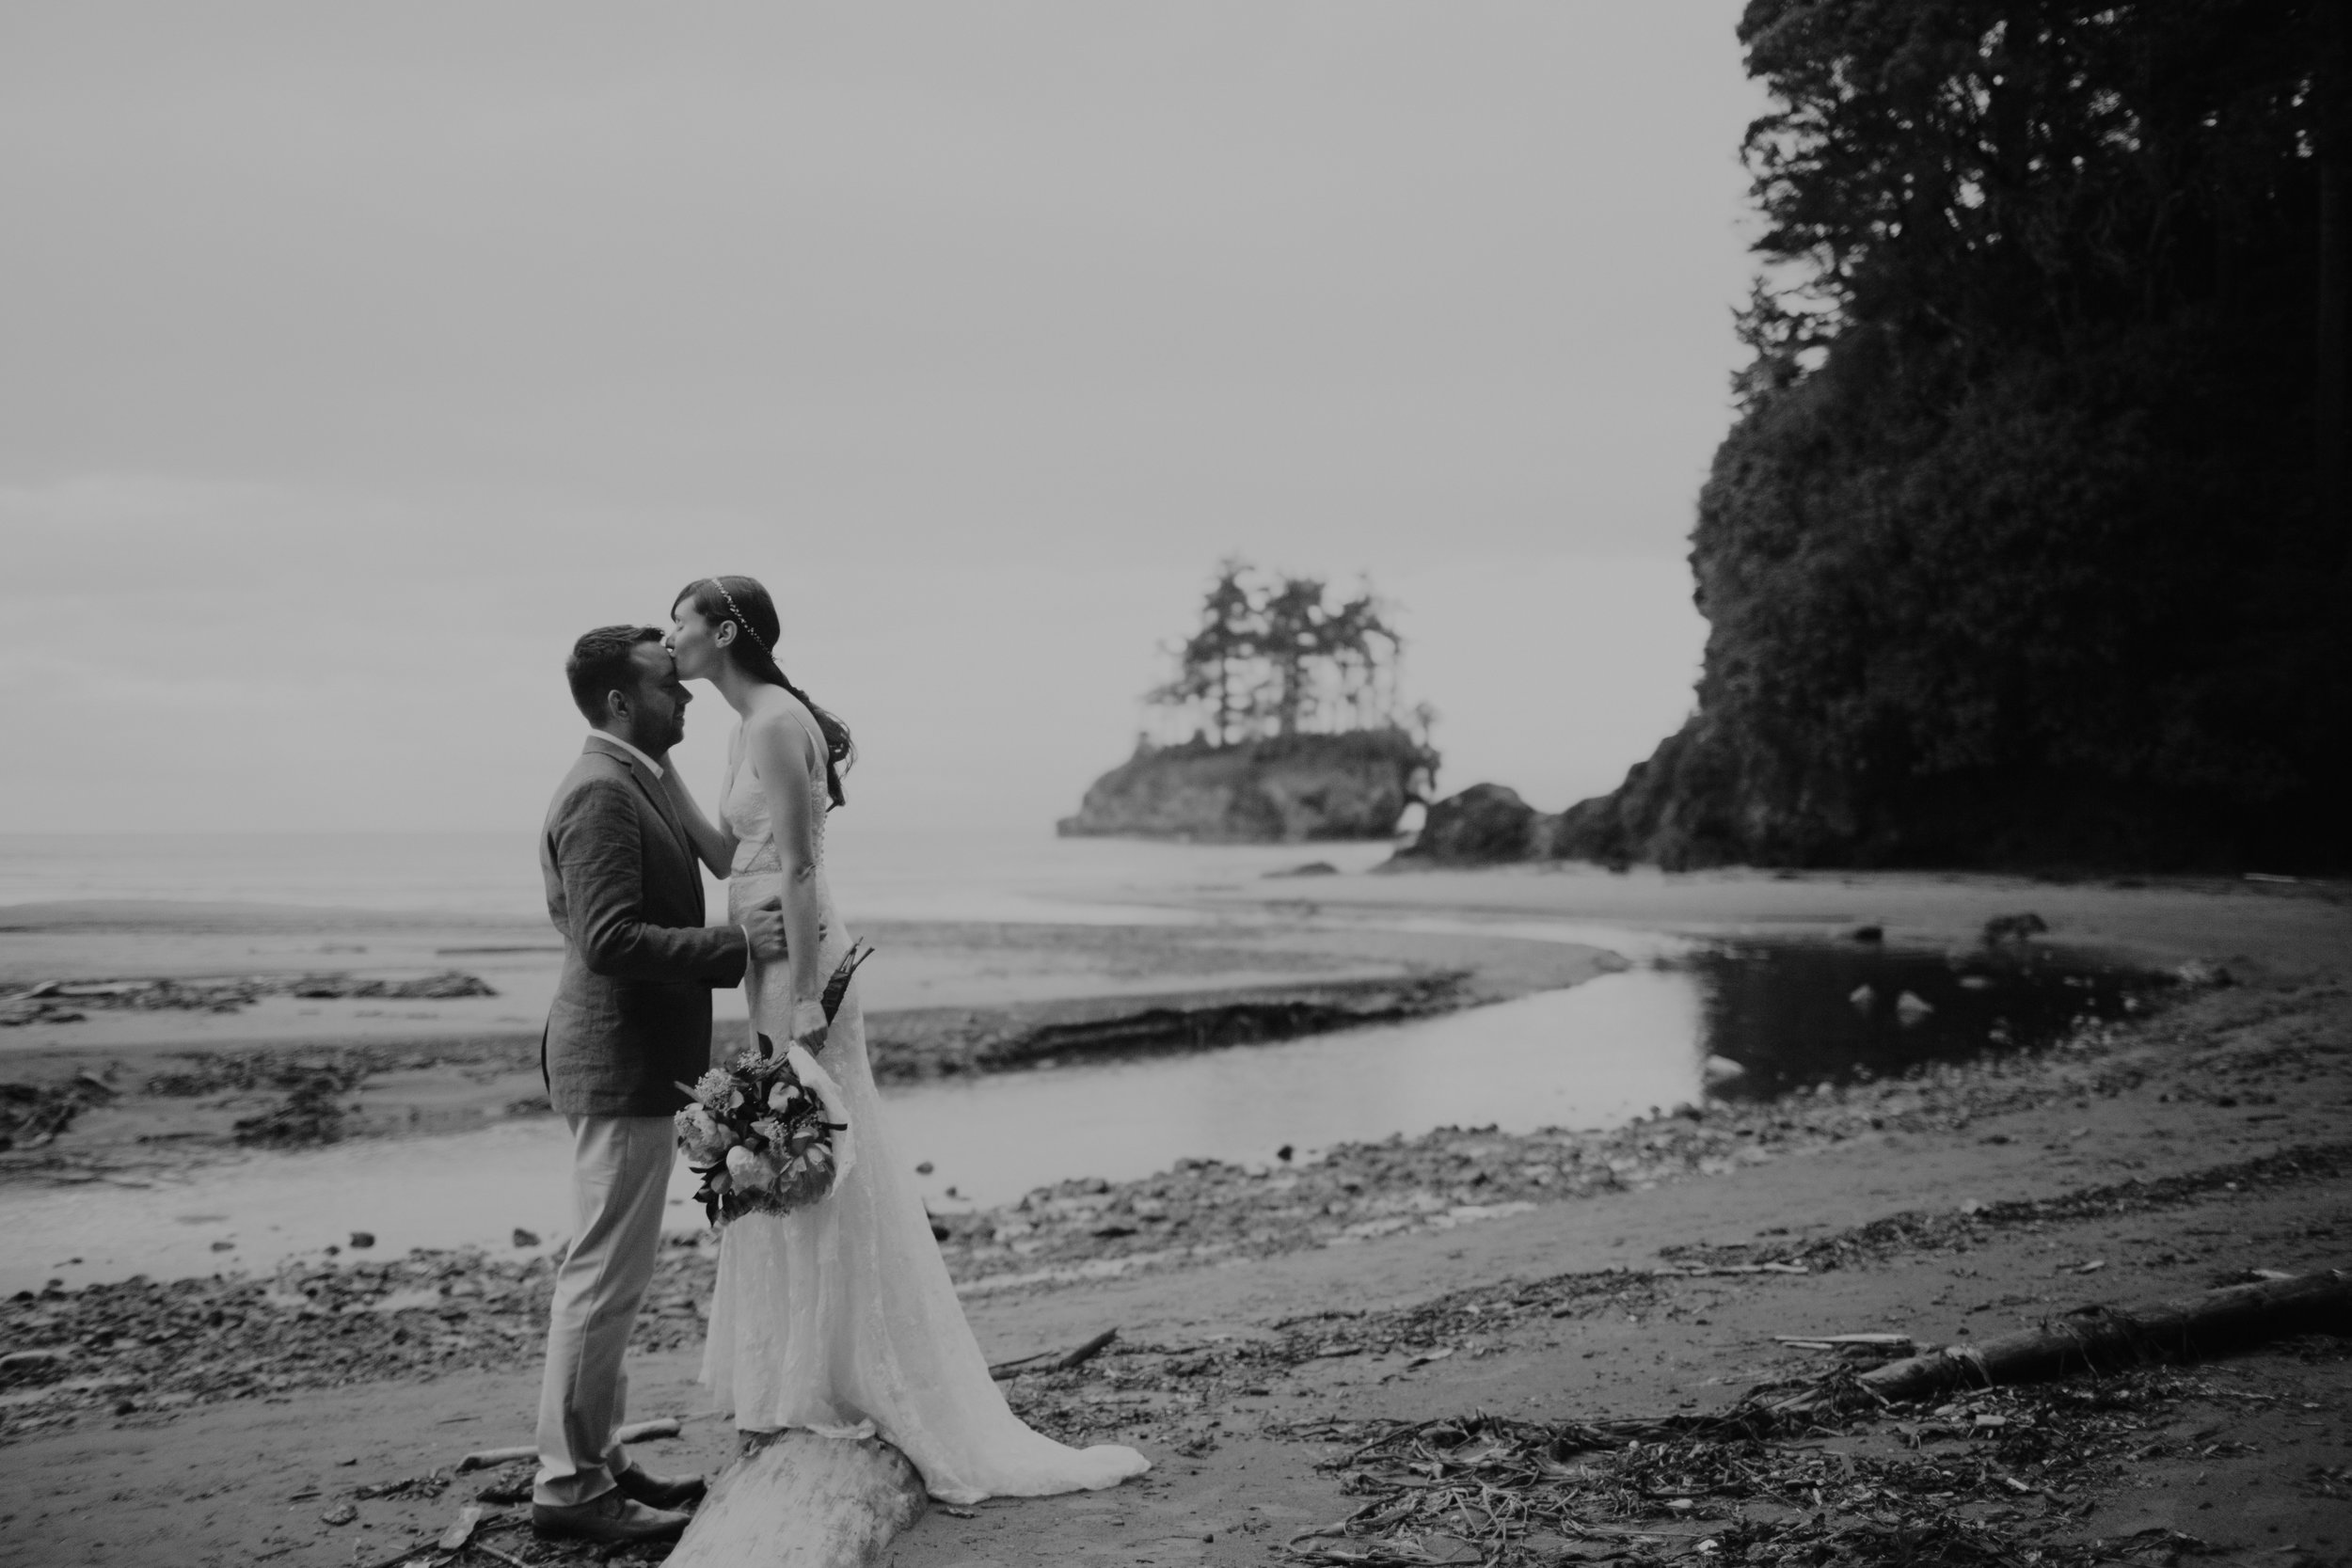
630	1021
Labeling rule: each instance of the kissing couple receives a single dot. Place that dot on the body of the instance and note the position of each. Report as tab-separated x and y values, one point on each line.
838	1317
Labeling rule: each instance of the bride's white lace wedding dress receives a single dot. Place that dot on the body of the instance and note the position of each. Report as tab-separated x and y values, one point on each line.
841	1317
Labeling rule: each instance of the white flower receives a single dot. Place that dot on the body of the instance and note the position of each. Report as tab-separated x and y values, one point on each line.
750	1171
701	1136
782	1095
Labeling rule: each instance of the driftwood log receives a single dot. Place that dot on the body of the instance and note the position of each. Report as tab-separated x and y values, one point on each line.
794	1499
482	1459
1052	1361
2104	1338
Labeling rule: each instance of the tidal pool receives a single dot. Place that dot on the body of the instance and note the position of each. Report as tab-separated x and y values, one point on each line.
1595	1054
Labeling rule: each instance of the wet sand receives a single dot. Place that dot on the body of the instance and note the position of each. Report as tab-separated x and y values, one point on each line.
1236	1373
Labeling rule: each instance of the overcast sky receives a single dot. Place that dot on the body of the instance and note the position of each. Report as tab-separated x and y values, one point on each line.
353	360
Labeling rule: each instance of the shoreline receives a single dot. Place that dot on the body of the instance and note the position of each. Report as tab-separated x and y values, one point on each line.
952	999
2165	1153
1202	1214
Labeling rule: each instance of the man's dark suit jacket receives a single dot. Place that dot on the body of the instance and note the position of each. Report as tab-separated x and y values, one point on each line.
631	1016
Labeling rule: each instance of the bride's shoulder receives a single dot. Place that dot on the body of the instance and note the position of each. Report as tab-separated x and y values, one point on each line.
775	723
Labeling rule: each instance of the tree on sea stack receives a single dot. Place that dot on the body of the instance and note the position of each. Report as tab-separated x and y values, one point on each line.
1286	657
1299	729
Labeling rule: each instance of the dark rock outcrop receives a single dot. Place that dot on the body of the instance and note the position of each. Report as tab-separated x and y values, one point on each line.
1284	790
1484	825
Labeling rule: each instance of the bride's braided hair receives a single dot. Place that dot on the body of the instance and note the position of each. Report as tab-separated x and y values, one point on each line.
744	602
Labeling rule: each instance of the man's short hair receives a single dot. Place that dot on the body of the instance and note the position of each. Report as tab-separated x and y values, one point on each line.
604	660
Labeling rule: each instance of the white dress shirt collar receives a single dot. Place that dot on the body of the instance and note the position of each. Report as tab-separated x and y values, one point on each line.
605	734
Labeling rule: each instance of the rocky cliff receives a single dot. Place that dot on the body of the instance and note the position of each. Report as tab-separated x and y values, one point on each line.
2002	567
1283	790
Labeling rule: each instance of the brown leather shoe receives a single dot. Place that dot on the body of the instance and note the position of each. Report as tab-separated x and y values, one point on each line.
659	1491
612	1517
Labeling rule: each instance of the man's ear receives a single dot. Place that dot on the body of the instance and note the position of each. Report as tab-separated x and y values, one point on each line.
616	704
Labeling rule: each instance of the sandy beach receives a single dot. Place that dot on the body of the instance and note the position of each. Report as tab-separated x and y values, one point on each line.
1275	1317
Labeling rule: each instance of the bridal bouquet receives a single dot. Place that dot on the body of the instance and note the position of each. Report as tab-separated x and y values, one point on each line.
766	1132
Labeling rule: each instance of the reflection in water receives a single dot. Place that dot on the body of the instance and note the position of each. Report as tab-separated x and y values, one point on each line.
1793	1013
1593	1055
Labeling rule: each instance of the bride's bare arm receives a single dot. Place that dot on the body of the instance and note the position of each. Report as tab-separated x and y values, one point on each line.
714	842
782	755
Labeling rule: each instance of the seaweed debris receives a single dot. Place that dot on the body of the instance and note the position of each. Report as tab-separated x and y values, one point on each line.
33	1113
71	1002
1754	1484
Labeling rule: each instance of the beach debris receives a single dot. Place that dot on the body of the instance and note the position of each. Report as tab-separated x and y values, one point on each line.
924	1168
2104	1340
339	1513
1862	996
526	1238
1911	1007
1054	1361
362	1239
513	1483
1118	1024
1880	1343
312	1113
2196	971
32	1115
1649	1491
1697	1271
2013	928
1718	1070
460	1531
33	1366
1284	1153
1087	1351
1867	934
313	1324
636	1431
70	1002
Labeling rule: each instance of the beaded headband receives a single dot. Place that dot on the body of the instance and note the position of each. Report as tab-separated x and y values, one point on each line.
737	613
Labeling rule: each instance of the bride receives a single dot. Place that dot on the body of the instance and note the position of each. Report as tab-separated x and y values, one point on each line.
840	1317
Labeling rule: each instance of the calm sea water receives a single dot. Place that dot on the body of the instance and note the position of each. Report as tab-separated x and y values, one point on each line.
878	873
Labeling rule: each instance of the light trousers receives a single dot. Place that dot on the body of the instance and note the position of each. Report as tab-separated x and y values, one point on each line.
620	1177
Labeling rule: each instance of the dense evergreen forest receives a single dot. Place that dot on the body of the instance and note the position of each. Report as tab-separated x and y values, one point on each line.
2029	545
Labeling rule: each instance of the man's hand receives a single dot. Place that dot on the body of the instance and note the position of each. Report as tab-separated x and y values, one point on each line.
764	926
